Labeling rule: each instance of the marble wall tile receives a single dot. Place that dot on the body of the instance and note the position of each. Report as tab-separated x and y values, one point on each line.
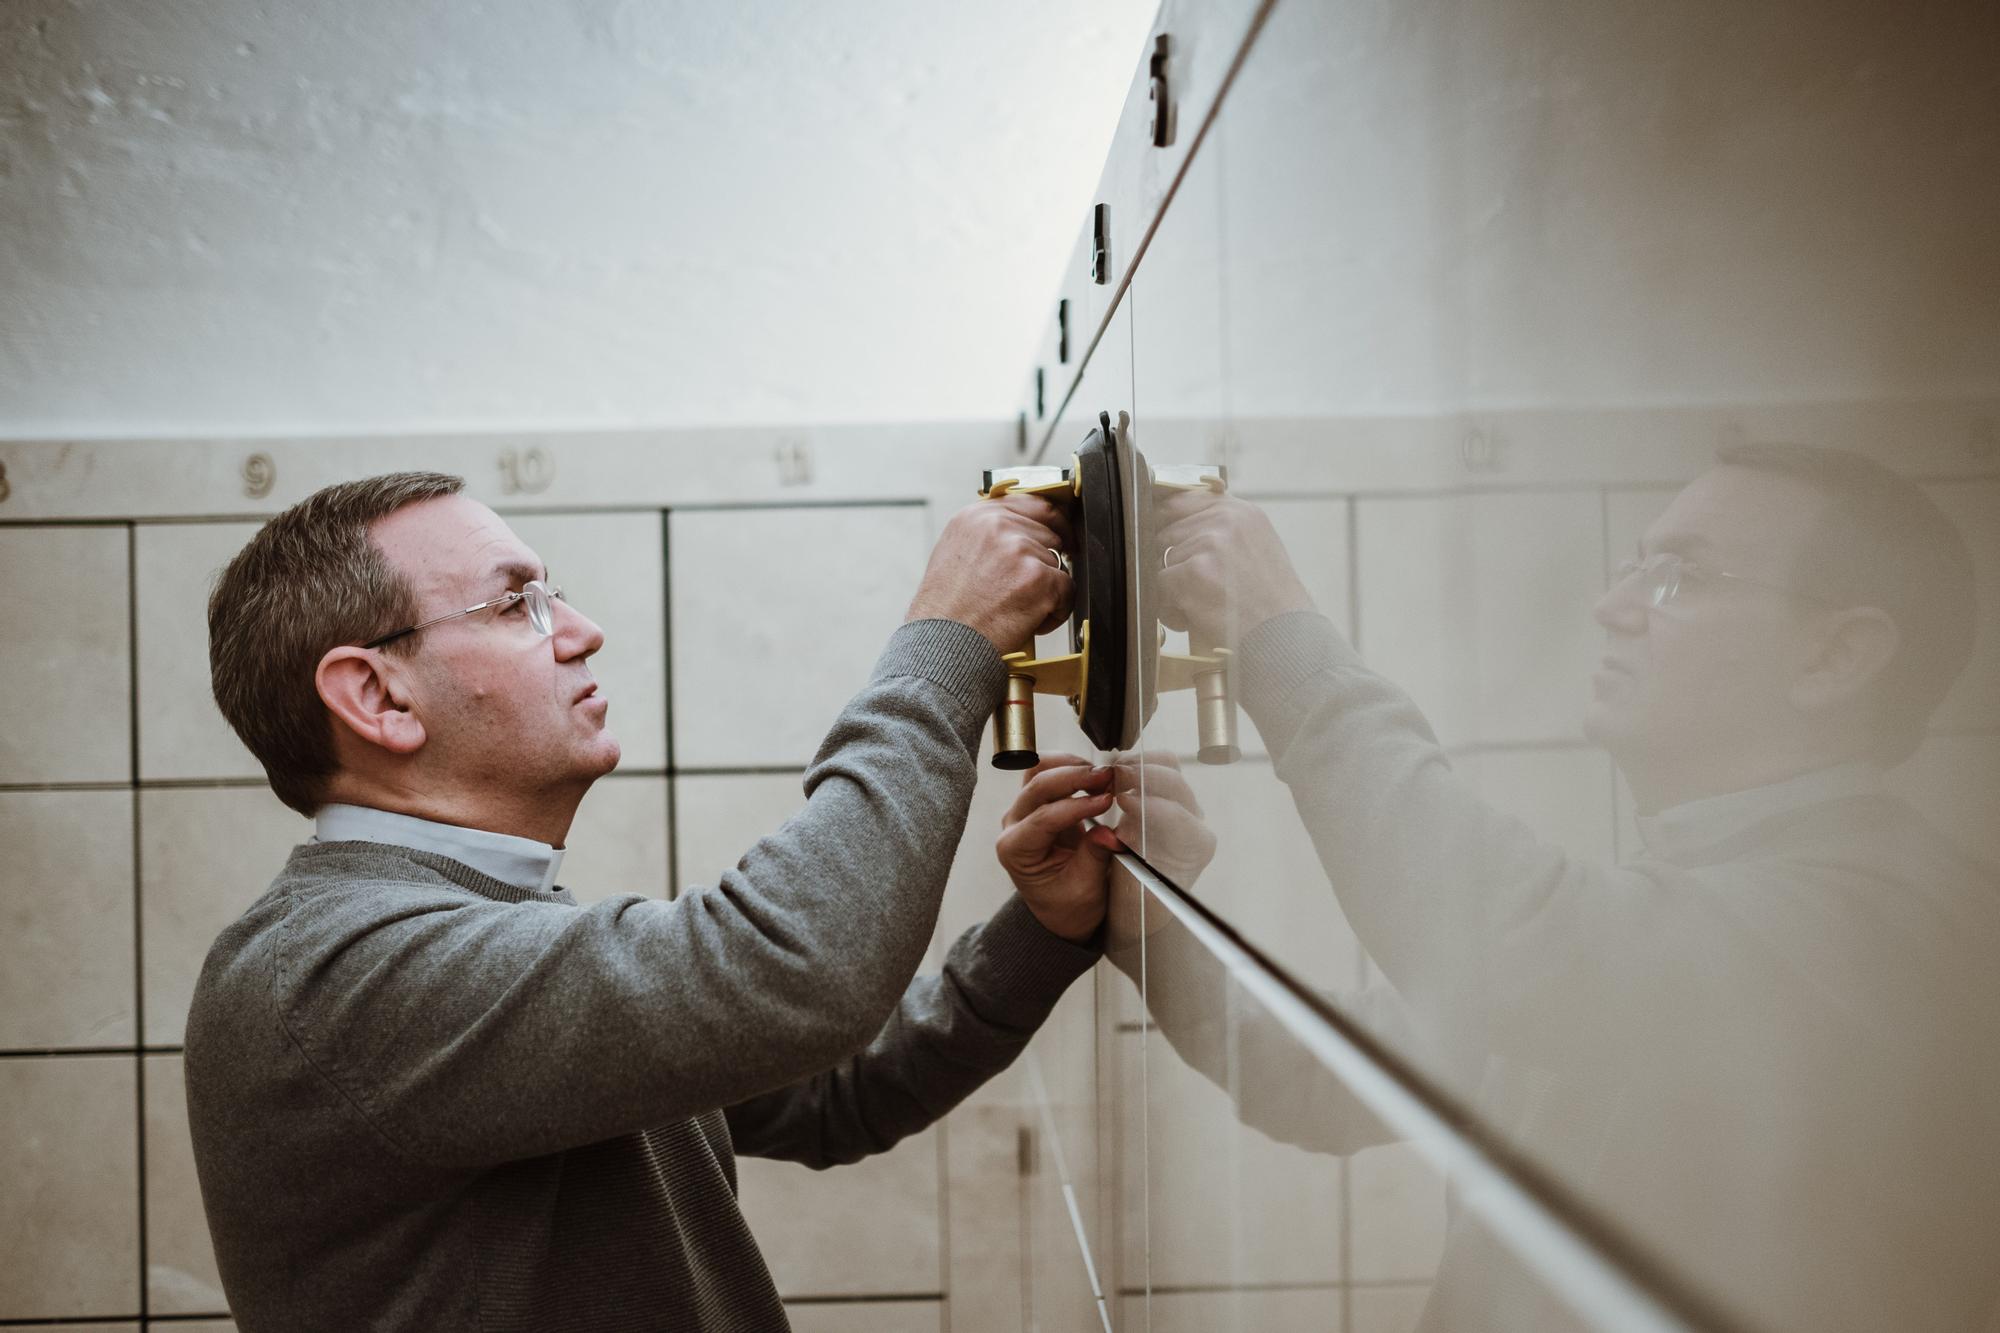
66	932
205	855
69	1235
805	1222
66	715
181	1276
181	732
618	841
778	614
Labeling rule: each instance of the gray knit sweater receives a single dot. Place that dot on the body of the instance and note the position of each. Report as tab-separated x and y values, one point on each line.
424	1099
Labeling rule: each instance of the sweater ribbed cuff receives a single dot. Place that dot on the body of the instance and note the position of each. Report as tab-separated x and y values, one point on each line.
953	656
1021	967
1277	657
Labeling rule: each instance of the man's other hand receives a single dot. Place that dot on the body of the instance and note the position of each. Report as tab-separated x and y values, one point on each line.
991	569
1058	866
1224	571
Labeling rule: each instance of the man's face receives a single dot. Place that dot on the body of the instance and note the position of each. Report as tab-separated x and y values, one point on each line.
501	705
1702	685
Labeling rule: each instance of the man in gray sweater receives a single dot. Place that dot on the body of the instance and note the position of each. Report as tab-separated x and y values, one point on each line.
427	1090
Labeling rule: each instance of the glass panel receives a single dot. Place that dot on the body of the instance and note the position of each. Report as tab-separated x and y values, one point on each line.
1682	900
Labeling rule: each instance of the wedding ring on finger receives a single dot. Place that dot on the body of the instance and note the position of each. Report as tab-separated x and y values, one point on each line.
1057	559
1166	557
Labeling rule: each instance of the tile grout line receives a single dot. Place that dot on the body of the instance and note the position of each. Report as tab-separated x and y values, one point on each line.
138	908
667	721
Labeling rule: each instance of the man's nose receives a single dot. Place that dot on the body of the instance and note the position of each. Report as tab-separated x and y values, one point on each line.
1621	608
577	635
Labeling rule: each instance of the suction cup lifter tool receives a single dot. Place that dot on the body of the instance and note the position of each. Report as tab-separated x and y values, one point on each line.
1110	491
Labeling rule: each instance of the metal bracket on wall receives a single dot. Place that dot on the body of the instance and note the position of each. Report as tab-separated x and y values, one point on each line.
1100	245
1162	128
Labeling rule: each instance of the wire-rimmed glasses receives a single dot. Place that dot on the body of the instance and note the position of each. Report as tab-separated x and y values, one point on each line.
540	598
1665	574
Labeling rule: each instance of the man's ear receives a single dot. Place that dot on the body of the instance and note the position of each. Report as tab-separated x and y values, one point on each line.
359	687
1850	653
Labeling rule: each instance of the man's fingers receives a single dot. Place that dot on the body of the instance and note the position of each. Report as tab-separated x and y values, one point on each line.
1038	512
1059	817
1049	784
1037	832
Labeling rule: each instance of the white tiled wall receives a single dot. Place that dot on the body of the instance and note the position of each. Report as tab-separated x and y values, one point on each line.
1479	606
205	854
777	616
618	841
181	733
69	1233
805	1221
66	716
66	919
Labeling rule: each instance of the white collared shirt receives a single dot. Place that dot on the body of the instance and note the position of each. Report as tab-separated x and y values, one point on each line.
521	862
1693	826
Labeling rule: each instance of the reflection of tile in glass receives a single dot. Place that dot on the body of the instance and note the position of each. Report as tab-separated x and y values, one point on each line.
1223	1204
66	657
1954	781
1295	1311
1480	607
610	568
1396	1215
1265	877
1975	700
181	732
804	1221
206	854
66	918
69	1235
1387	1309
1563	795
181	1275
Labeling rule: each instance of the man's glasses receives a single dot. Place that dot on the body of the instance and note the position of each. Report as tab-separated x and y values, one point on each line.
540	599
1663	575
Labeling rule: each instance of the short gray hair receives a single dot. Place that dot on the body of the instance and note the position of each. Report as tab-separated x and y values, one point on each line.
311	580
1881	542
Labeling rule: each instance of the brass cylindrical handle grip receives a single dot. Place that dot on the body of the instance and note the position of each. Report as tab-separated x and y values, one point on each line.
1014	725
1215	710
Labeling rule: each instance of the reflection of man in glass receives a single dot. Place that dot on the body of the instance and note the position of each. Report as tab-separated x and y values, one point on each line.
1767	1047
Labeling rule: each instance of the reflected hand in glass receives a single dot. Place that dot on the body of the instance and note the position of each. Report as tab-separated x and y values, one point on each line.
1785	1004
1223	570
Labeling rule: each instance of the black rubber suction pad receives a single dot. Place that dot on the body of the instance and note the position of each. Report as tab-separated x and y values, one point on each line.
1104	588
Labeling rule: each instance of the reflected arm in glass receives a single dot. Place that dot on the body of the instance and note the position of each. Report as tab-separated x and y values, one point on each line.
1764	1007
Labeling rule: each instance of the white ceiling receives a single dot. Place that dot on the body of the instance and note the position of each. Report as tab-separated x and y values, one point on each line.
220	216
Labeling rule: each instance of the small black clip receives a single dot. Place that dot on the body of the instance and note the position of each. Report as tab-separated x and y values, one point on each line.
1163	106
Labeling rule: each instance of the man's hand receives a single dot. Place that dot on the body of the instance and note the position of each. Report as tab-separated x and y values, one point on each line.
1058	866
1154	794
1224	571
991	569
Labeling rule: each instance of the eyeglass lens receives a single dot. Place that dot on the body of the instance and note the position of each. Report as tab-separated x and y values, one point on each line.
540	613
1661	577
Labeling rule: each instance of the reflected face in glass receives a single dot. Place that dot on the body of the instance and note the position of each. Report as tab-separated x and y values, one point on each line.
1692	696
500	702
